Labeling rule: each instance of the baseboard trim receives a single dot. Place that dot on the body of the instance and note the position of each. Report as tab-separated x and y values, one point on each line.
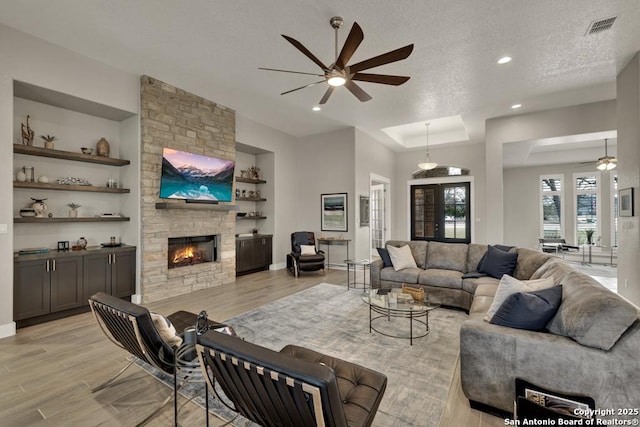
8	330
136	299
278	266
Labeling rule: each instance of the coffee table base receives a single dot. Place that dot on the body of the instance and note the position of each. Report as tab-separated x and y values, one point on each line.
388	313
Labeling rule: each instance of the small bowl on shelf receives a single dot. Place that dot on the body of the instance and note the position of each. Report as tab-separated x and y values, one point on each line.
27	213
241	214
86	150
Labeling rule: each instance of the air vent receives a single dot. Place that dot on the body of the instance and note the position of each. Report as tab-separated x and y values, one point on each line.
601	25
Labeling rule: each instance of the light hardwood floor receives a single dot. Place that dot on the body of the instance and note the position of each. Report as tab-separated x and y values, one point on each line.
47	371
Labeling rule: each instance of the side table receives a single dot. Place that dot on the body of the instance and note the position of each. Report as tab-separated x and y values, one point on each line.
364	264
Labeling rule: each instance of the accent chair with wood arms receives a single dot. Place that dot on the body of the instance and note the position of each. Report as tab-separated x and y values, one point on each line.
130	327
302	256
294	387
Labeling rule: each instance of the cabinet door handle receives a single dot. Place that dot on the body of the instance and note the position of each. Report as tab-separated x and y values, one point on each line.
48	266
54	265
113	258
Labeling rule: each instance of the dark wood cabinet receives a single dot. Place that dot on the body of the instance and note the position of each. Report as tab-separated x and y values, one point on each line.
57	285
253	253
46	286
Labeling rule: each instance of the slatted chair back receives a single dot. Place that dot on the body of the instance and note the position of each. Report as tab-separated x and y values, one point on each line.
271	388
130	327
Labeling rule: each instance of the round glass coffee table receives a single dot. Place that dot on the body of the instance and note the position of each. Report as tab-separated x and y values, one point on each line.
394	305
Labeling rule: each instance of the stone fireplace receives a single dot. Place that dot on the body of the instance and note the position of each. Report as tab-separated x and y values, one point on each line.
173	118
185	251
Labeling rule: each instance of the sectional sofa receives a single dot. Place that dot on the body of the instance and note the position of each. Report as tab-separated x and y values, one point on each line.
589	347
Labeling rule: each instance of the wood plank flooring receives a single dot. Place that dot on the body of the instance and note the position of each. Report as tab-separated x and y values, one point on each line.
47	371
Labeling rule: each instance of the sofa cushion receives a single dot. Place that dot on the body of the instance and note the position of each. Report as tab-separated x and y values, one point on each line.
384	255
475	253
529	310
497	262
510	285
470	285
441	278
447	256
555	268
407	275
529	261
590	313
418	250
401	257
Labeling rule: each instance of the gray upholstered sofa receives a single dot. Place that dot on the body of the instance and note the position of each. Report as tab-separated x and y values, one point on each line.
592	350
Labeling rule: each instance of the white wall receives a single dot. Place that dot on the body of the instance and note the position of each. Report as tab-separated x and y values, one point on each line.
371	157
628	112
31	60
522	203
466	156
325	164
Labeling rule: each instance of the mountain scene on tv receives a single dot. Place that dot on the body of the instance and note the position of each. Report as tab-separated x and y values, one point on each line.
194	177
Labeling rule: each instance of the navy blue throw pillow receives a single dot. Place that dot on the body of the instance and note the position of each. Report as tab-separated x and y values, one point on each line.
386	259
497	263
503	248
529	310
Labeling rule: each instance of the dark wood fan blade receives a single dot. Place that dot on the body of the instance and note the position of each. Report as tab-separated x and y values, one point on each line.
357	91
380	78
385	58
354	39
302	87
326	95
289	71
306	51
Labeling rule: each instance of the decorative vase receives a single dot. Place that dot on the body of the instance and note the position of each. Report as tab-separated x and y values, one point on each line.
39	207
73	213
102	148
48	145
82	242
21	176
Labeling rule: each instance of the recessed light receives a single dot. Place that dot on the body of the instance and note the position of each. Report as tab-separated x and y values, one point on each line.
504	60
316	108
514	106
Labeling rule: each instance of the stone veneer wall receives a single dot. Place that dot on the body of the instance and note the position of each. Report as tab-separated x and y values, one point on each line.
173	118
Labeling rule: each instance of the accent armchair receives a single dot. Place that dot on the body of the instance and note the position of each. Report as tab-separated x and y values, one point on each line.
293	387
304	254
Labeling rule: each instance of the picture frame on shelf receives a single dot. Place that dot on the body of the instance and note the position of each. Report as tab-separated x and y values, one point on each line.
625	202
334	212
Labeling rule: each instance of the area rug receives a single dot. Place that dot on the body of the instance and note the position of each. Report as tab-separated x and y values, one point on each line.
330	319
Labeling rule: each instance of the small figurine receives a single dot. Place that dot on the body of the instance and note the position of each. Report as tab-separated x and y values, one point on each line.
27	134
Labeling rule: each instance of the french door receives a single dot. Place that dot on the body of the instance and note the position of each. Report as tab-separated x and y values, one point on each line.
441	212
377	217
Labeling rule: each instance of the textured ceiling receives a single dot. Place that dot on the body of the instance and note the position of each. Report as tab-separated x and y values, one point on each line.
214	48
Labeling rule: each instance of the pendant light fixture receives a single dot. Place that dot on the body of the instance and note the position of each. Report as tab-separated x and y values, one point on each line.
427	164
607	162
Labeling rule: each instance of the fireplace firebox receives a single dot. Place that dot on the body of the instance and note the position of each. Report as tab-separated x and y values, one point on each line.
185	251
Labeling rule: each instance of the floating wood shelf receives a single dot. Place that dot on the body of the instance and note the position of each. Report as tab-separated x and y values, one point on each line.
251	199
196	206
251	217
250	180
51	186
67	155
33	220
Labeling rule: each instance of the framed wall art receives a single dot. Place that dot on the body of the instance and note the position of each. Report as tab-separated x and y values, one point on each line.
625	202
334	212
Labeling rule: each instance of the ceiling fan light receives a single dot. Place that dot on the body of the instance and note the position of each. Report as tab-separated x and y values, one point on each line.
606	163
336	81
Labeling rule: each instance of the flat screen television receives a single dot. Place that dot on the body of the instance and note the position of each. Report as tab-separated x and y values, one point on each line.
192	177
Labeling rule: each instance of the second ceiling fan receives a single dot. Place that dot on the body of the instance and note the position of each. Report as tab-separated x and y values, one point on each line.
341	74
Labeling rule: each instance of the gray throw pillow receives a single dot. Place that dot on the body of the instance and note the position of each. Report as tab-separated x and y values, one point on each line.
497	263
529	310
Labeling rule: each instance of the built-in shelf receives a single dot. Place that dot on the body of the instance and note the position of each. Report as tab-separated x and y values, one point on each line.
252	217
33	220
196	206
51	186
67	155
250	180
251	199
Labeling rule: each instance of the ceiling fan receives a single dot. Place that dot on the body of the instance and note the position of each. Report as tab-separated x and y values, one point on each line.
341	74
604	163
